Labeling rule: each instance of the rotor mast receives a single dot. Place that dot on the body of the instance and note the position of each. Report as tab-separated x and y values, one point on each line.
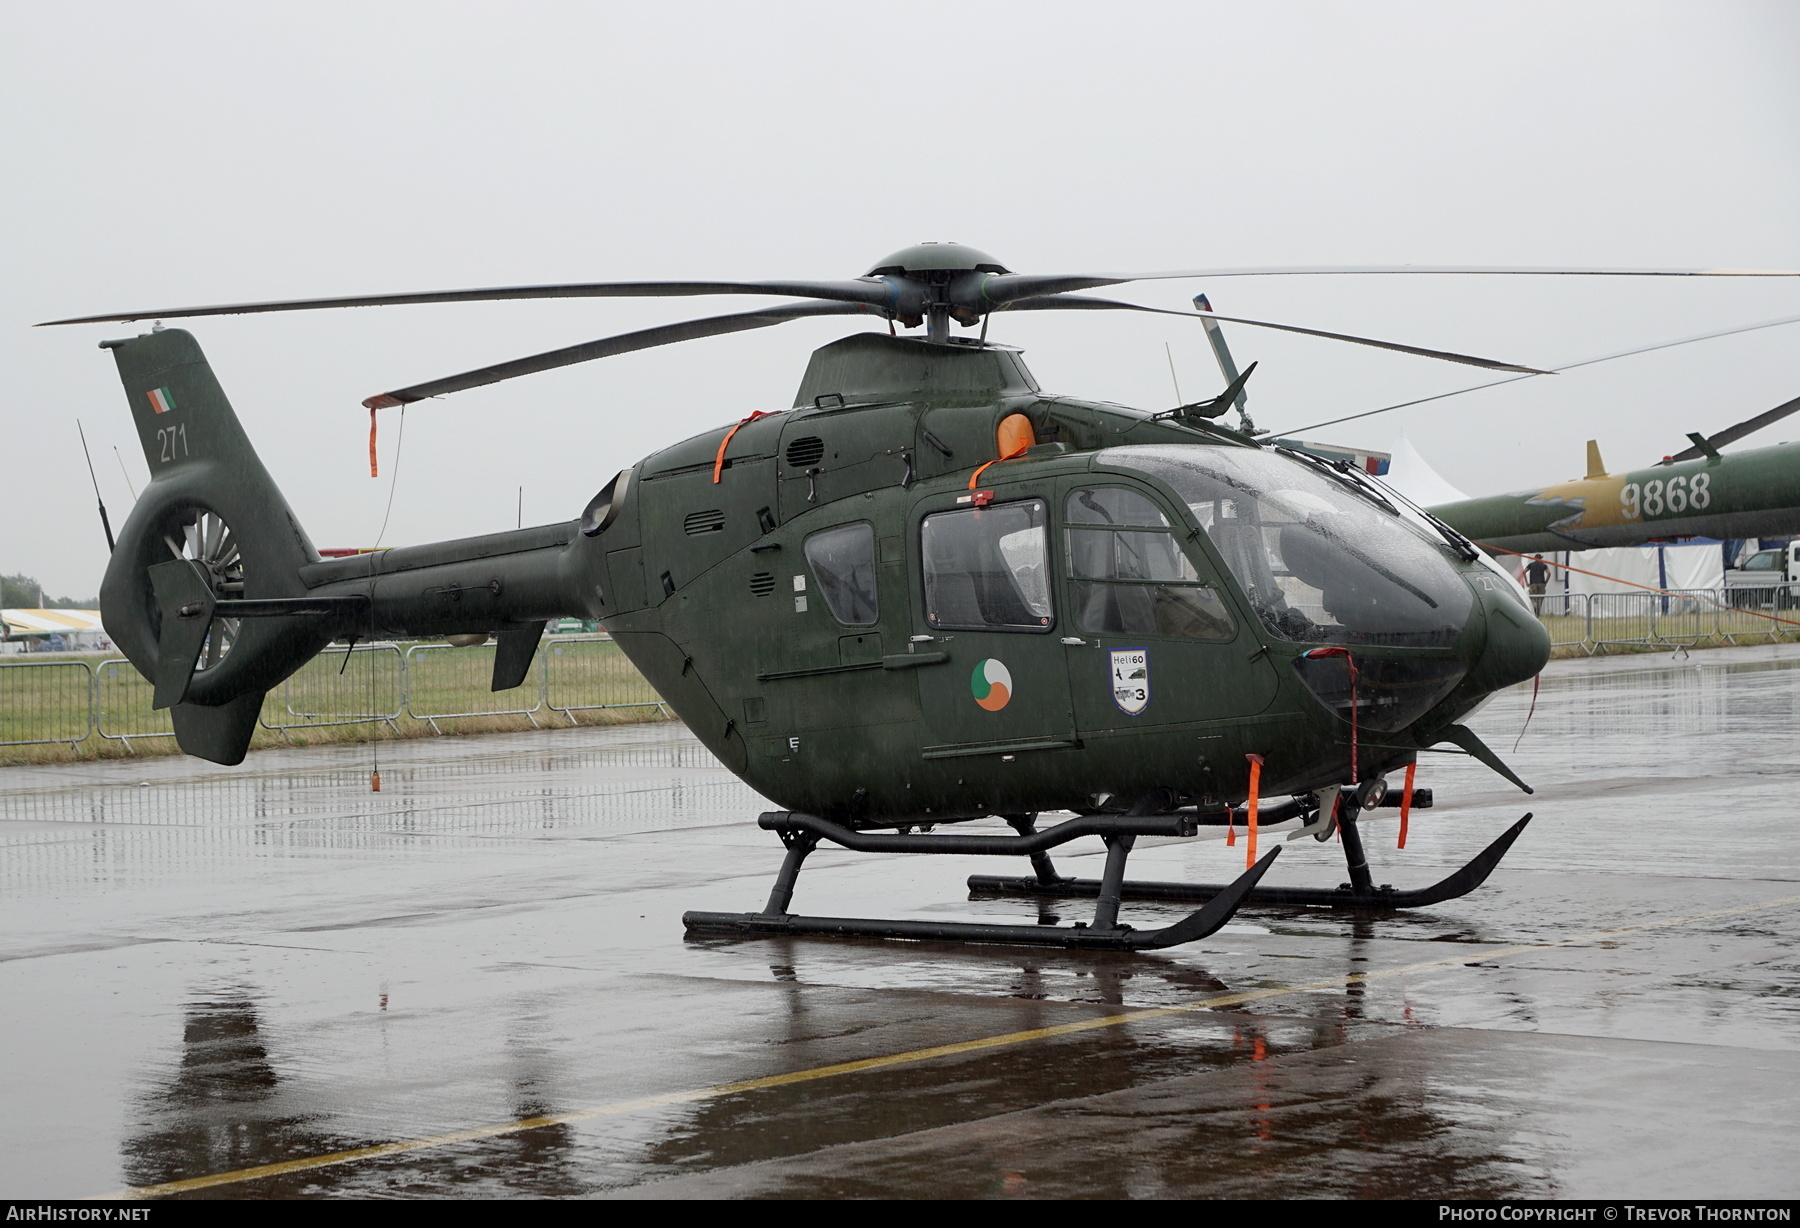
937	322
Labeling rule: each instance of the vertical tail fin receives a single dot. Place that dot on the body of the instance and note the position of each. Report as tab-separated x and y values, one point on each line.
210	501
1596	467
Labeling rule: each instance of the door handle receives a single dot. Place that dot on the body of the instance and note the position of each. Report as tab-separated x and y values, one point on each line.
913	660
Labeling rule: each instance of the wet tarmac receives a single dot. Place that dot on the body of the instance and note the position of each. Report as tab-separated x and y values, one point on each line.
480	974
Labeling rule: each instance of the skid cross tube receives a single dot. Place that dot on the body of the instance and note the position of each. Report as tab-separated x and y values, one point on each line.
1360	893
784	821
801	833
1026	825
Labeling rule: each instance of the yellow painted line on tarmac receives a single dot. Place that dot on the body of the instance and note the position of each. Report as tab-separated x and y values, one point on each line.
911	1056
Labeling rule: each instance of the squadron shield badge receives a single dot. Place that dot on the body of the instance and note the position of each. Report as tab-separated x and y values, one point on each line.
1131	679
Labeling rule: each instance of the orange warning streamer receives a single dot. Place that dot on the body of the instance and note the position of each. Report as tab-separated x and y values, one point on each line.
1648	588
1250	807
719	460
1406	801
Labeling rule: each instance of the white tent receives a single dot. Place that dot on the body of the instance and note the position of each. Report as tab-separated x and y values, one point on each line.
1696	565
1411	476
78	628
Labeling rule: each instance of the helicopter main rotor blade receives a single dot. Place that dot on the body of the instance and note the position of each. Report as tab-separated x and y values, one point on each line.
1732	434
1570	366
1073	302
875	292
1010	287
606	347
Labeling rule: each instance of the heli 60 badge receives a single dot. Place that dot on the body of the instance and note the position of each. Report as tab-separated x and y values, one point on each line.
1131	679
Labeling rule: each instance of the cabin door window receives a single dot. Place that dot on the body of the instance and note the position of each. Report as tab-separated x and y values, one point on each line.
995	677
843	562
989	568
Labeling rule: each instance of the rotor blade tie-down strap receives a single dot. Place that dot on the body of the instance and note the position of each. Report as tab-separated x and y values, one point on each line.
975	478
1349	664
372	472
1230	828
1406	793
1250	807
719	460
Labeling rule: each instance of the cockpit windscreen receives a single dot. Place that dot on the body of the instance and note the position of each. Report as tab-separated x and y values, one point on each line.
1319	562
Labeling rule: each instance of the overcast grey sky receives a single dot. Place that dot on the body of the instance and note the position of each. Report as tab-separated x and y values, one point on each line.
193	153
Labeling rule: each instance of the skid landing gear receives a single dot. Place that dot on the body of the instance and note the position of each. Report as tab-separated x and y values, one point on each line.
801	834
1359	893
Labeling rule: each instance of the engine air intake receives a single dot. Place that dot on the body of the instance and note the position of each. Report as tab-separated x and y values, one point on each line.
709	521
806	452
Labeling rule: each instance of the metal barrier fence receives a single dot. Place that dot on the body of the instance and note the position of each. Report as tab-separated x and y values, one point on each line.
122	710
440	678
1565	617
364	684
1598	621
588	674
1740	617
1639	618
71	701
52	701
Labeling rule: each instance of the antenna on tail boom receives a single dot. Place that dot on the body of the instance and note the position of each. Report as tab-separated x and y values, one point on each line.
104	522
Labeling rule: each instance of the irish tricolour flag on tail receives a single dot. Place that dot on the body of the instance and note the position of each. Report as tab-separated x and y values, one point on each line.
160	400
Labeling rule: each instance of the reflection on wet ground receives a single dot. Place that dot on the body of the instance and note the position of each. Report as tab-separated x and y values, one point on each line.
204	970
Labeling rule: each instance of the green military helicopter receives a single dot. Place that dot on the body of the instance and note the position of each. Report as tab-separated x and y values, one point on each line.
930	592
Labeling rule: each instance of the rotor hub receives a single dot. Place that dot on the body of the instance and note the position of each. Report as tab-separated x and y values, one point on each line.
922	259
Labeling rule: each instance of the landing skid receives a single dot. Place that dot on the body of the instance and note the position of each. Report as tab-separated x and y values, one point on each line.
801	834
1360	893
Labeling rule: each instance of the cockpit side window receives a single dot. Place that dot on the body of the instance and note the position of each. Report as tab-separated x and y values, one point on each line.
843	561
1128	575
988	568
1114	505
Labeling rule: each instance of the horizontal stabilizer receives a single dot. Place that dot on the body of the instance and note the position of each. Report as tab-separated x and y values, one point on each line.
514	649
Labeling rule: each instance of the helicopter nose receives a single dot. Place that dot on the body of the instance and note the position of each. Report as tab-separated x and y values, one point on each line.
1516	646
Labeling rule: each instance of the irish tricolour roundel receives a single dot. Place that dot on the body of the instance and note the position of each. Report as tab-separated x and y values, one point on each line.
991	685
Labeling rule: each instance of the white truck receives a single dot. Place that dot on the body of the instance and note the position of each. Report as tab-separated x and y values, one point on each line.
1766	578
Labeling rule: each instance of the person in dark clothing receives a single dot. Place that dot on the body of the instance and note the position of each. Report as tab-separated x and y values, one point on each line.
1537	578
